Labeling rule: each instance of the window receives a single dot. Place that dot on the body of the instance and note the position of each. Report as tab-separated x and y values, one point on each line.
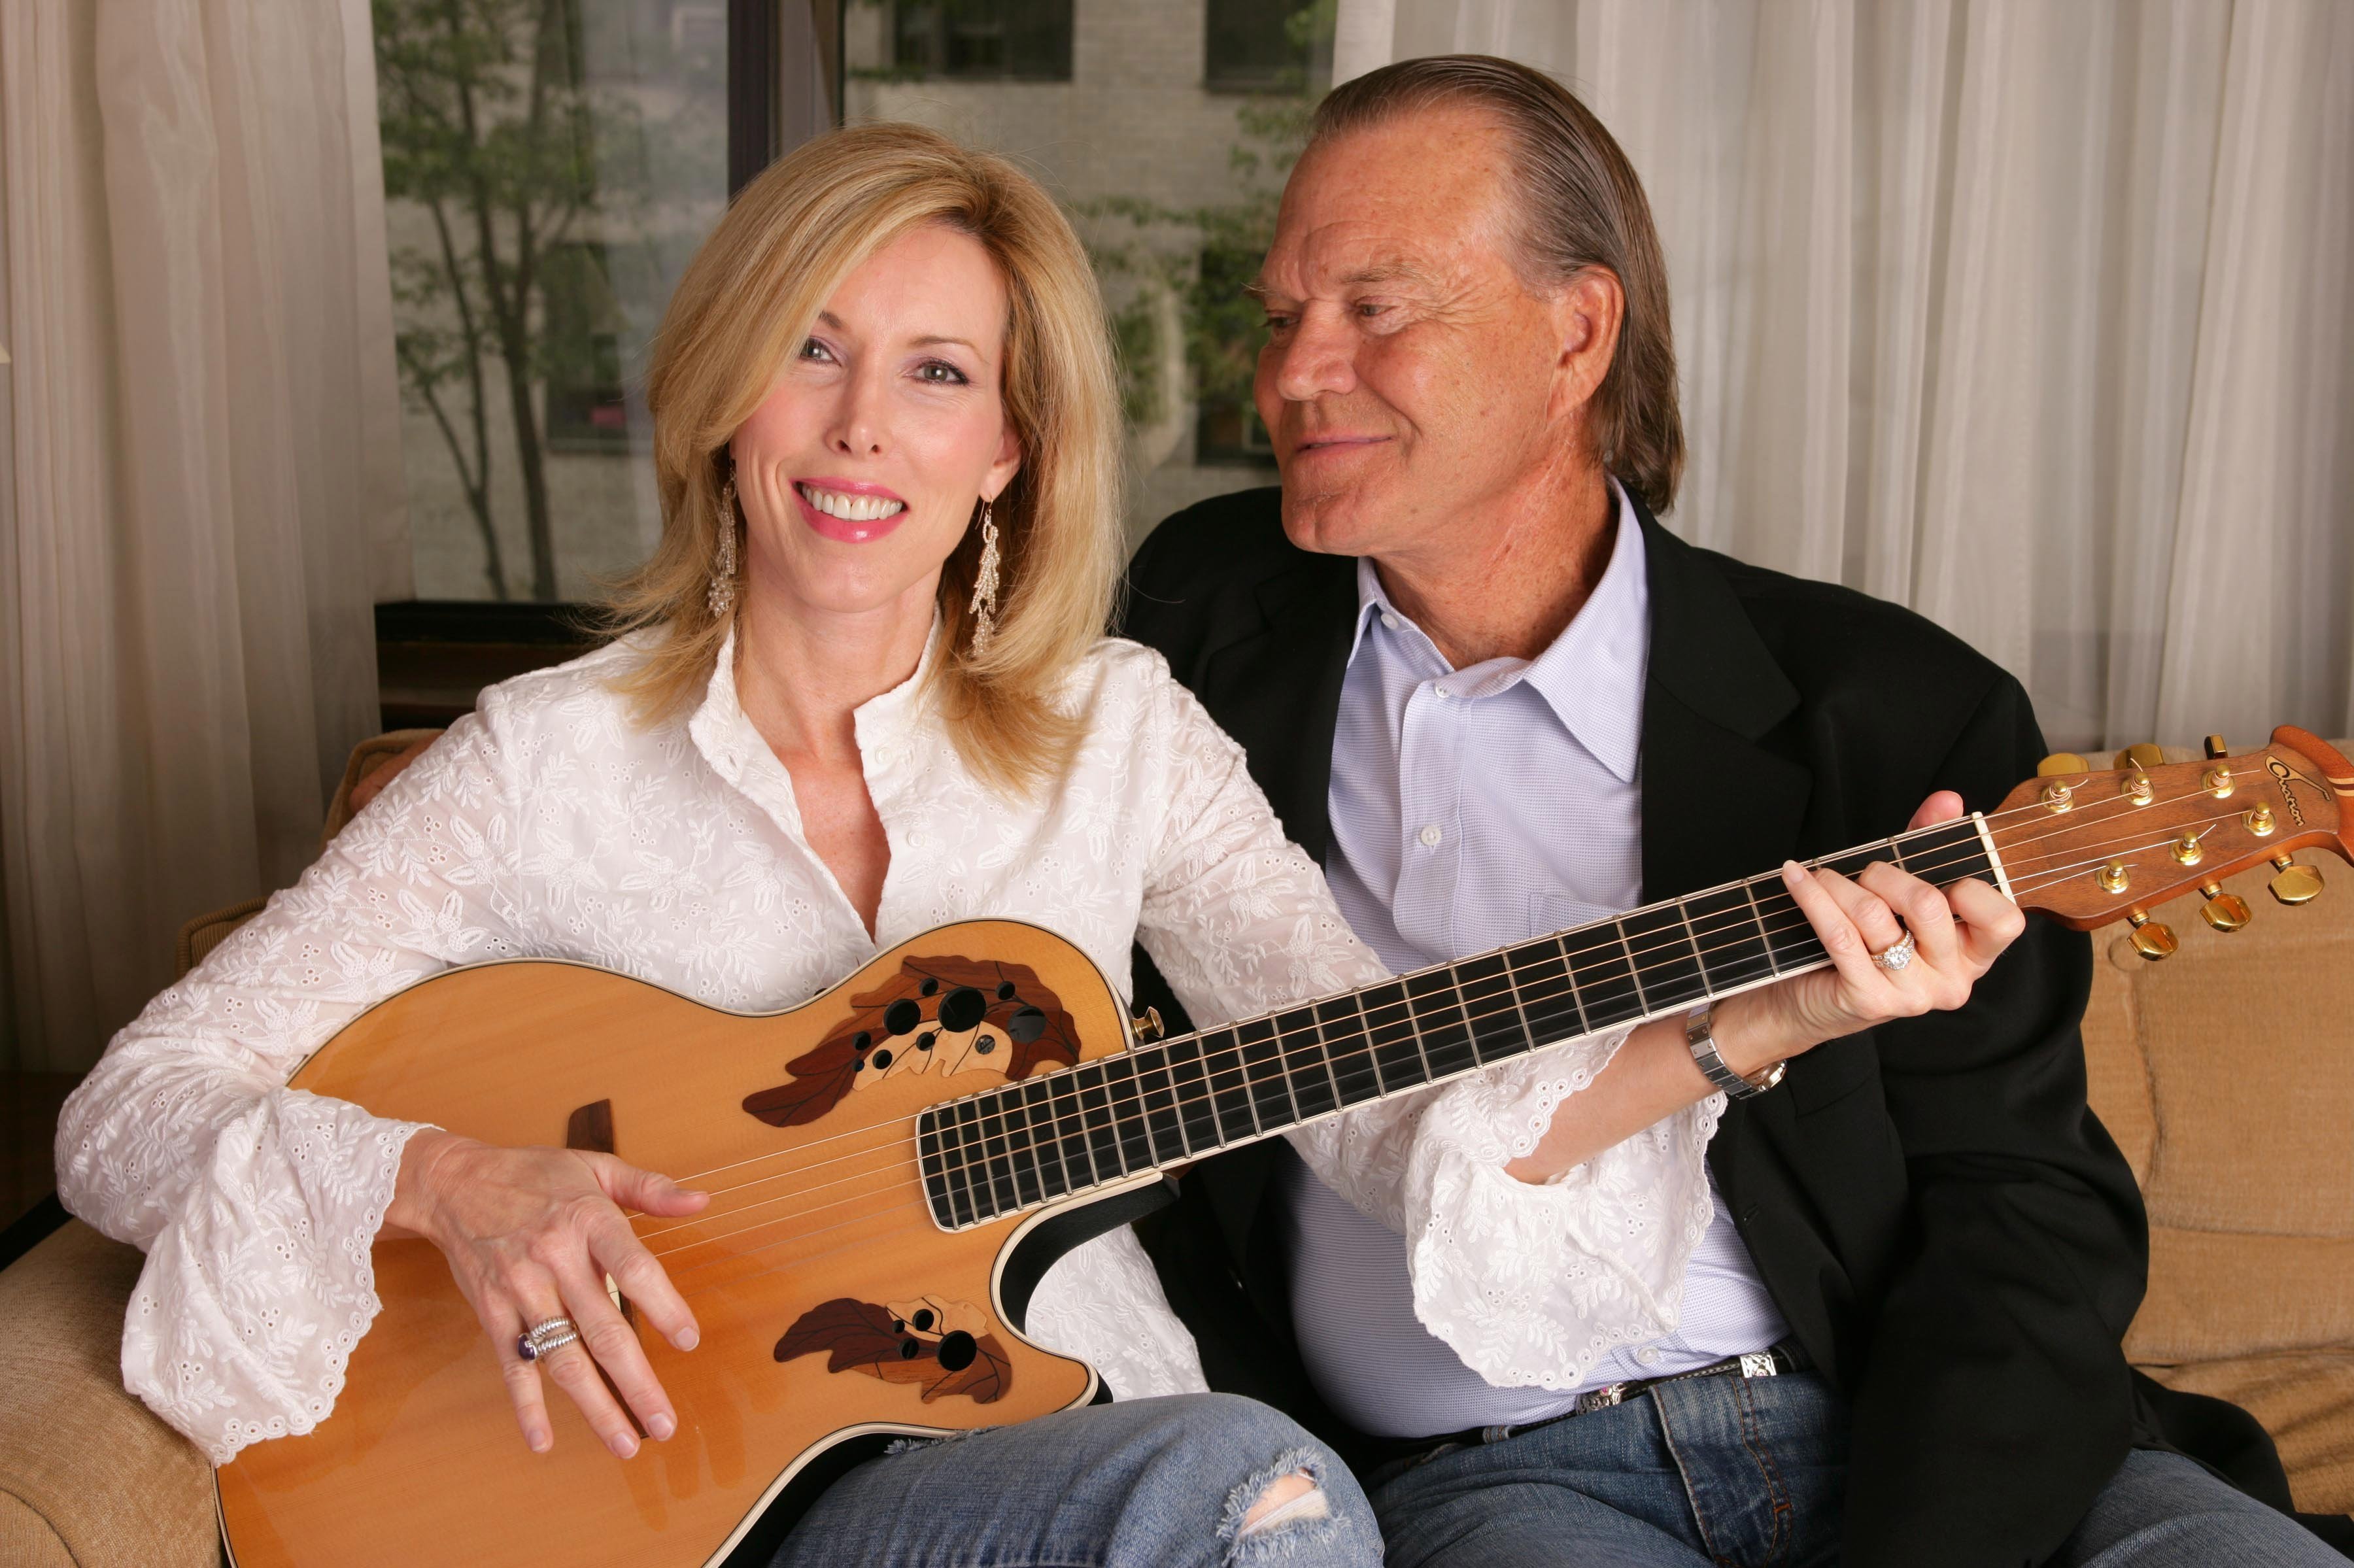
1166	131
549	166
1256	46
1020	40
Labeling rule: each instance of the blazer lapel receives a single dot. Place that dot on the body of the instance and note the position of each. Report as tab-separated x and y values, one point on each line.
1717	805
1279	692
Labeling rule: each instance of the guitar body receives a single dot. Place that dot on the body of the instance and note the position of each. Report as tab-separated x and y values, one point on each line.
818	1230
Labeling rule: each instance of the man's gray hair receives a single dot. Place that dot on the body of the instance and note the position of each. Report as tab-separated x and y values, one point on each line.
1580	207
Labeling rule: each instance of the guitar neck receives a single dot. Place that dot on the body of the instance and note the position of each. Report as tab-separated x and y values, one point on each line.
1156	1106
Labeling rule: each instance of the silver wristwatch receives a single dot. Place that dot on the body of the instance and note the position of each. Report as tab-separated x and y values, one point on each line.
1699	1035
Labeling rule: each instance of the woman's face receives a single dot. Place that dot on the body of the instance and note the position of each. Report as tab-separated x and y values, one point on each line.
859	472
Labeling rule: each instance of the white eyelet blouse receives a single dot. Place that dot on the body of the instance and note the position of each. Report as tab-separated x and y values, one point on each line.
548	823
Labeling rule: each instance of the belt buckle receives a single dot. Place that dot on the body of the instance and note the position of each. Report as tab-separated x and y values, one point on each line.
1602	1398
1759	1364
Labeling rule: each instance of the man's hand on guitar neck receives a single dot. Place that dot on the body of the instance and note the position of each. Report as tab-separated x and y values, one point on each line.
1959	933
532	1234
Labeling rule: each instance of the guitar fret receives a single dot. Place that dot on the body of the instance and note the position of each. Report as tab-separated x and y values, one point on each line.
1356	1076
1305	1068
1483	990
1196	1111
1070	1129
997	1156
1158	1102
1038	1108
968	1153
1764	939
1633	970
1270	1086
1684	913
1443	1044
1126	1095
1230	1094
1102	1125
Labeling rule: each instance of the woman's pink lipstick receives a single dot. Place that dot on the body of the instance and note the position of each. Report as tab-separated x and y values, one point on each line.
863	532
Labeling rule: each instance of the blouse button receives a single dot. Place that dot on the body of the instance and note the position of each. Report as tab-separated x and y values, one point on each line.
1431	836
1648	1355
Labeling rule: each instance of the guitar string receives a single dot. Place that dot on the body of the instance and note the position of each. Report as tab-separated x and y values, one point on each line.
2037	806
1058	1142
1180	1101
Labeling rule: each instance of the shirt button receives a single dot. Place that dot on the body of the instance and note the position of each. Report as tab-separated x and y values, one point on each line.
1389	620
1431	836
1648	1356
1442	691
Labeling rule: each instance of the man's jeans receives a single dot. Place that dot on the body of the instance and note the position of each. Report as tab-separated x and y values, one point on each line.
1751	1471
1149	1483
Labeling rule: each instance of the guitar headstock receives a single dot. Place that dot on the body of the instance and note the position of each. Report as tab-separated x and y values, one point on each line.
2088	845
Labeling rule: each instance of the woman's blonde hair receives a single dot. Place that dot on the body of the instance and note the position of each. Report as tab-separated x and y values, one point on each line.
747	300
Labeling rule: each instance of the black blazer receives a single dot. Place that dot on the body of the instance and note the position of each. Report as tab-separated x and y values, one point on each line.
1951	1236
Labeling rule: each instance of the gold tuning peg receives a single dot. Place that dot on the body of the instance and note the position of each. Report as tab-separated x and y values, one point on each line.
2150	939
1147	1026
2060	762
2216	749
2295	884
2144	755
2226	912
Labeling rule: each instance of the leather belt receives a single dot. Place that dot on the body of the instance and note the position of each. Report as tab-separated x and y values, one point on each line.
1785	1357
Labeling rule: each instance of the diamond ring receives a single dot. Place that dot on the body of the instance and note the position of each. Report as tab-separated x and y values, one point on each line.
1896	955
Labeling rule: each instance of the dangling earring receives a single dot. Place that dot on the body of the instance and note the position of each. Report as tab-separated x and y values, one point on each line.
984	608
721	598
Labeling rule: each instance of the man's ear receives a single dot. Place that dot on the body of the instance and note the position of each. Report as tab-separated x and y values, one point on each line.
1586	313
1008	462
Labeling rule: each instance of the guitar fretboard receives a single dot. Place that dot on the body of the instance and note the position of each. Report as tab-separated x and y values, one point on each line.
1024	1144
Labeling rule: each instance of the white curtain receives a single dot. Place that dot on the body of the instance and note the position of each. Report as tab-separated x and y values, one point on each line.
2033	317
202	495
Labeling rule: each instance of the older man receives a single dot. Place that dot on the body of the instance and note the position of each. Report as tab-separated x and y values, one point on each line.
1496	698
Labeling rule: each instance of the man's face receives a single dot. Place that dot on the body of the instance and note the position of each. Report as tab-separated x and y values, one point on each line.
1409	376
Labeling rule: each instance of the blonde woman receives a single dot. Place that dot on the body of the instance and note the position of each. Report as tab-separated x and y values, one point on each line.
862	691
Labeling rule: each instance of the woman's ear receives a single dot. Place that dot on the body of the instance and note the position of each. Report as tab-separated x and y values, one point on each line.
1009	462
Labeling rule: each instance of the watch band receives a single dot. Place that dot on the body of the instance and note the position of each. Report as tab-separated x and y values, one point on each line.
1699	1033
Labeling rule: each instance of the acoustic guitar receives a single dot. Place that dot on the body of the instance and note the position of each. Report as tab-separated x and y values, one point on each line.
895	1163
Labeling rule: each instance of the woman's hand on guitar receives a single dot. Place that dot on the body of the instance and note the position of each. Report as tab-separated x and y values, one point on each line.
1957	933
532	1234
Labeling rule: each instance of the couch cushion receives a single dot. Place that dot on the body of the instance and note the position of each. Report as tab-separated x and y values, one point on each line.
93	1476
2307	1402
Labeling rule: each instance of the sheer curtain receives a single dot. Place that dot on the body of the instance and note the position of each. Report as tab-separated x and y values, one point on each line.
2033	317
202	495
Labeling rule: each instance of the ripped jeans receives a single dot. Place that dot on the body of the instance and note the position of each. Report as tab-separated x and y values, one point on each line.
1146	1483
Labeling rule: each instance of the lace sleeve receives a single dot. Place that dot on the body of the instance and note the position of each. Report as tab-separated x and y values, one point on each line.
258	1205
1529	1284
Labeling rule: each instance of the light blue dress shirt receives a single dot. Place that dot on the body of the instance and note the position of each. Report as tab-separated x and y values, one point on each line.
1472	808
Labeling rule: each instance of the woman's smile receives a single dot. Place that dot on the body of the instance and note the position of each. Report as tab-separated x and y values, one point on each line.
851	511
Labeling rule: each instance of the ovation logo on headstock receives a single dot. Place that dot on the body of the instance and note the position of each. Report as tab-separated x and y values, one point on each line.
2280	771
936	1015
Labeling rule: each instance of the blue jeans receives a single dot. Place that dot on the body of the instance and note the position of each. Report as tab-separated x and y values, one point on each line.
1751	1471
1149	1483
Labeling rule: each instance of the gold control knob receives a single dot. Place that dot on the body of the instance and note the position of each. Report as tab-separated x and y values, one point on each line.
2136	787
2295	884
2057	796
2060	762
2216	749
2150	939
2140	757
2259	822
2217	781
1147	1026
2226	912
2113	877
2186	850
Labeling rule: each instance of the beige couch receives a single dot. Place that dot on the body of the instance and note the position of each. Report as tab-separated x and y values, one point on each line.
2226	1072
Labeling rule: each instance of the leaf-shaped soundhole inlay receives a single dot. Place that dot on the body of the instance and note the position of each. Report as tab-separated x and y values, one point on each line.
945	1346
936	1015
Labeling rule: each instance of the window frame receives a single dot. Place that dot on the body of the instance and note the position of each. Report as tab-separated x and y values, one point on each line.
434	656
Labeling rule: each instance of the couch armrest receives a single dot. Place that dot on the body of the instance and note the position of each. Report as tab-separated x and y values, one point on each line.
89	1477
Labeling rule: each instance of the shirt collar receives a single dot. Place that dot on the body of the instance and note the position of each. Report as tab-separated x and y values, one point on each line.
1590	676
886	723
